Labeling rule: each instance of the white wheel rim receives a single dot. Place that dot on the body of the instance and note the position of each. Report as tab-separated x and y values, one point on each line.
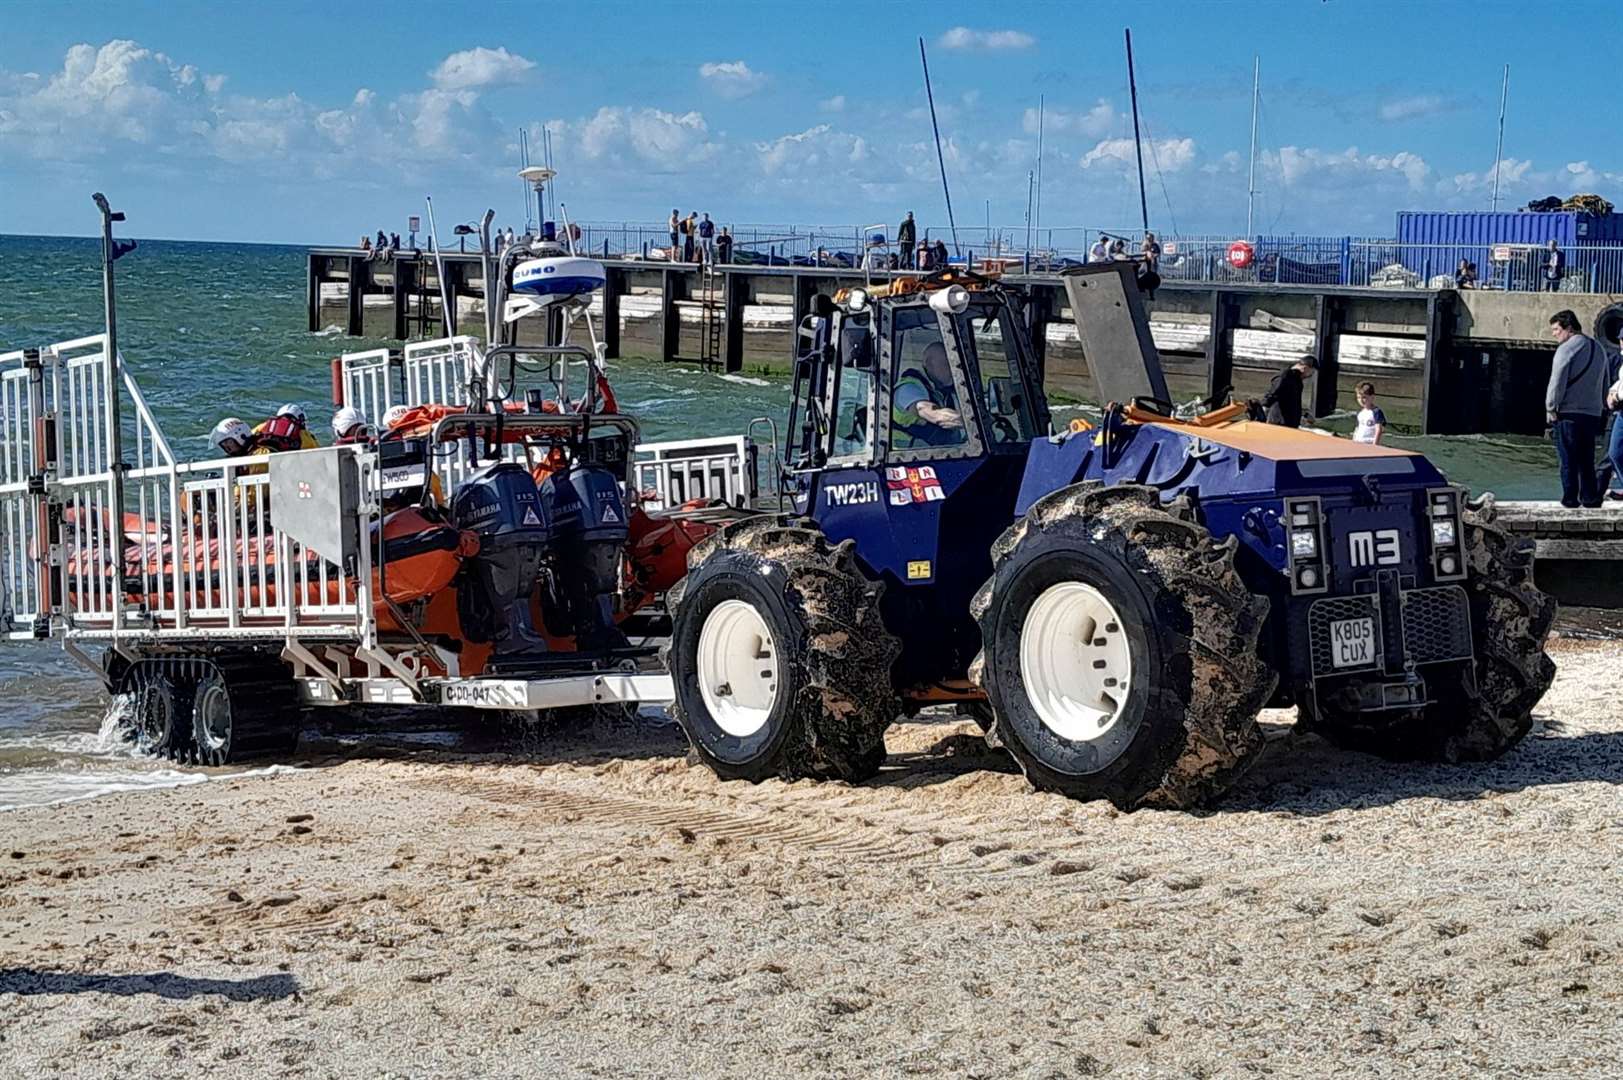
1075	661
737	668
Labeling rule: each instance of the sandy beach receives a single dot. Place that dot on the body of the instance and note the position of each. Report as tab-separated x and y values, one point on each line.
599	908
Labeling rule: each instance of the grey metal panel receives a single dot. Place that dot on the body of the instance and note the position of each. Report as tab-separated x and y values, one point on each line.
1115	332
315	499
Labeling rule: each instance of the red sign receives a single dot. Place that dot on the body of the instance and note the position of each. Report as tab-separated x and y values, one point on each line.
909	484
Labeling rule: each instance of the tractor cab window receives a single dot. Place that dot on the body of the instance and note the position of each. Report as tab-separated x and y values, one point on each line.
926	410
853	392
995	344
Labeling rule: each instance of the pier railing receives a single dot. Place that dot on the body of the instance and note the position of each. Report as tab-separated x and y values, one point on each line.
1283	260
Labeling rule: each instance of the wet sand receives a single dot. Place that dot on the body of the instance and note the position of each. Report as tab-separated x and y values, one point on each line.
602	909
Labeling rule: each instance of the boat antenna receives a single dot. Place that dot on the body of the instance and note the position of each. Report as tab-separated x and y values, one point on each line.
1029	178
524	163
940	160
447	308
1499	153
1138	142
1251	184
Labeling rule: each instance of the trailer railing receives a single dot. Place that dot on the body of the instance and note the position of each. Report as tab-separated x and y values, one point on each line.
191	552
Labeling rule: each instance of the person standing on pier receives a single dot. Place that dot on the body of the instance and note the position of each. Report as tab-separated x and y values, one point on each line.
1573	401
1555	267
907	235
1610	478
690	234
724	247
1100	251
707	239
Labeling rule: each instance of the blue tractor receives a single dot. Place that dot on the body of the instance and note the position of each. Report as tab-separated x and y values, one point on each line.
1113	603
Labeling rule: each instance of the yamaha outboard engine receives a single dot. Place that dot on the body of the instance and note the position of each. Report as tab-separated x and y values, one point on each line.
587	517
500	504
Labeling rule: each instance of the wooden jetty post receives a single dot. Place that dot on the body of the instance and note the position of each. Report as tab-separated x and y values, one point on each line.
673	286
1438	412
614	286
1328	322
1220	343
360	275
736	296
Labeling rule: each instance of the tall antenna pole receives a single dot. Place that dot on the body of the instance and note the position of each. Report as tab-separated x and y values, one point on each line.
1138	142
1499	152
1038	221
524	163
1029	178
940	161
1251	185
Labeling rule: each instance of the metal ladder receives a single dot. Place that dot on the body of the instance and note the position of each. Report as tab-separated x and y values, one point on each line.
711	299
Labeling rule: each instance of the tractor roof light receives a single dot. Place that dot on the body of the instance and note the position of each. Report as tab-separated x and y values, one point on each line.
952	300
856	300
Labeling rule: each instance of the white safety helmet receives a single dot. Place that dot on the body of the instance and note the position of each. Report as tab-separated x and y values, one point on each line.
396	413
229	430
346	420
293	409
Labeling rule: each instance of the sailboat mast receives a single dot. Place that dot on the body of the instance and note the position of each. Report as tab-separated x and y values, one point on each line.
940	160
1499	151
1037	220
1138	142
1251	184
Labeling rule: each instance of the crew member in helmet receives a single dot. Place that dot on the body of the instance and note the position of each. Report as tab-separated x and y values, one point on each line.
287	430
233	438
349	427
924	403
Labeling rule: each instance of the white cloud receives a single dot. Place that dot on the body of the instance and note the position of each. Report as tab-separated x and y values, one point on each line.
649	138
1413	108
962	37
1513	172
1173	155
480	67
815	148
731	78
1297	165
1094	123
833	104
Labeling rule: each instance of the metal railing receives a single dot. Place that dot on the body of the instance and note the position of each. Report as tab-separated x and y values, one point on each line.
192	549
1301	260
669	474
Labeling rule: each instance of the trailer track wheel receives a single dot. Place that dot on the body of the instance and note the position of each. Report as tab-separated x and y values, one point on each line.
780	657
1120	650
241	709
1474	716
160	711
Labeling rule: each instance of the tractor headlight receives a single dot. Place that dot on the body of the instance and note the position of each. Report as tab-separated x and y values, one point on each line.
1447	541
1305	547
1304	543
1442	532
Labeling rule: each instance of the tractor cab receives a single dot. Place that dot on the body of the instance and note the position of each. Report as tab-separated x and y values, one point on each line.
915	405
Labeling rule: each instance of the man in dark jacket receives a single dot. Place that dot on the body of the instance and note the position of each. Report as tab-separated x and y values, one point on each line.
1555	267
906	236
1284	397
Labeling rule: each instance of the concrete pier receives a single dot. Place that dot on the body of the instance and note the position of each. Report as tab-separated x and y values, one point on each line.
1443	362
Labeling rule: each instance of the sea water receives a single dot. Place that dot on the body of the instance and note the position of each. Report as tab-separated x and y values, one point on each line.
213	330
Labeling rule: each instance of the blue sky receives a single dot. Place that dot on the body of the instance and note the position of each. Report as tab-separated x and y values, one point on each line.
313	122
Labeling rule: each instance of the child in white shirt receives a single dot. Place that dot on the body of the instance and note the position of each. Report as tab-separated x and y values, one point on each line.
1371	420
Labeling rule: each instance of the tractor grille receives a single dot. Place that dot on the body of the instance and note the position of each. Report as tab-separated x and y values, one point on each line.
1436	627
1437	624
1329	610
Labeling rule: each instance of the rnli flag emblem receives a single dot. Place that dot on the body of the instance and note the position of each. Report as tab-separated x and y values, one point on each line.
909	484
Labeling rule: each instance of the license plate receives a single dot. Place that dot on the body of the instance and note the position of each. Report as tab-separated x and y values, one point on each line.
1352	642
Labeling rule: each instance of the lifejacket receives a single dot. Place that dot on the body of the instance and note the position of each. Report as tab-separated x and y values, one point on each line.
908	422
284	433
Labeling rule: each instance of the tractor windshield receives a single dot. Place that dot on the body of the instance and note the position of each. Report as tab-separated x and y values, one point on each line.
991	338
925	399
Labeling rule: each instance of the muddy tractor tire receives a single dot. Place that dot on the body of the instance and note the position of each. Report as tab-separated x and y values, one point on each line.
780	656
1120	650
242	708
1477	716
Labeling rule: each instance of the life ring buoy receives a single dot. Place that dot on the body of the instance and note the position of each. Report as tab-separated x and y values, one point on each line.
1241	254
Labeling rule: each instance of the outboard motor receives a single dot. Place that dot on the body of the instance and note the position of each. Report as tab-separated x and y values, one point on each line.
500	504
587	517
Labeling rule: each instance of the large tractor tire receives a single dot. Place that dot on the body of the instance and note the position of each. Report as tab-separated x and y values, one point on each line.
1475	716
242	708
780	657
1120	650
